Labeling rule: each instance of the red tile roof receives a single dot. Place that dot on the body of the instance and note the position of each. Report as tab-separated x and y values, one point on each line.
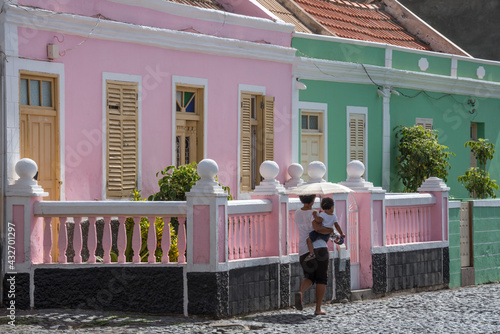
367	22
211	4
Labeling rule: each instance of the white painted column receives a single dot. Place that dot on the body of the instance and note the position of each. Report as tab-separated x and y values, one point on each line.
386	139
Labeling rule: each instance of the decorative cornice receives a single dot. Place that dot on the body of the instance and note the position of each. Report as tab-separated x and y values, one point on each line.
209	15
157	37
328	70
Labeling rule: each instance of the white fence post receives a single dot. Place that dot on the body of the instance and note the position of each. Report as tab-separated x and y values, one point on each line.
24	231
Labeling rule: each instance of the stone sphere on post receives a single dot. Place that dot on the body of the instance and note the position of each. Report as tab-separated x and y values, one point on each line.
295	170
26	168
269	170
355	169
207	169
316	170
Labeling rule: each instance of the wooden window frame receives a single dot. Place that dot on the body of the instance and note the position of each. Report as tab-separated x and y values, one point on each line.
198	116
264	142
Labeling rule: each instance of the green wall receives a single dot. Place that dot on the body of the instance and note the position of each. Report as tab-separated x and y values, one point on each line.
338	96
409	61
351	53
452	116
454	239
486	238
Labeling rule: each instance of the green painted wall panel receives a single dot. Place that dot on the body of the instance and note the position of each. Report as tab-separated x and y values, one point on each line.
485	237
410	62
338	96
485	261
488	275
487	224
454	246
331	50
468	69
487	249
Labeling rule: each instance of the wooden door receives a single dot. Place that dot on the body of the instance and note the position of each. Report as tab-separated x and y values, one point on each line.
39	135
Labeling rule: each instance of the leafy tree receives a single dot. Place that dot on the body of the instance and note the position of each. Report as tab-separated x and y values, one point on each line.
477	180
420	156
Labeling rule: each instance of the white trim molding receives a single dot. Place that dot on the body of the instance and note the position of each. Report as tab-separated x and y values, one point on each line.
131	33
337	71
212	15
126	78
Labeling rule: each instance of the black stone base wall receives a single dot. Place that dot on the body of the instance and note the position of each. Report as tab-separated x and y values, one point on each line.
254	289
342	280
208	294
297	274
411	269
160	289
16	287
379	272
156	290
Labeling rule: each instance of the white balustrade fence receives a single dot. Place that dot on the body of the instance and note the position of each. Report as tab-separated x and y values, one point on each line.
107	210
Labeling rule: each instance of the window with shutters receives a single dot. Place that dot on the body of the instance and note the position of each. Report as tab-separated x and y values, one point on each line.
426	123
189	125
257	137
122	138
311	144
357	137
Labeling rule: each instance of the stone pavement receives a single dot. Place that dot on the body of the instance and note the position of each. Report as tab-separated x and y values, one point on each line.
473	309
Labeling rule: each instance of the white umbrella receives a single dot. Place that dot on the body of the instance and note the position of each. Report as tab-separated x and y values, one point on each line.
320	188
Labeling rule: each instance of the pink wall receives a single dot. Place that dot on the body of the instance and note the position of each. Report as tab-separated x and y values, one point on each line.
36	234
147	17
84	66
365	234
201	234
18	221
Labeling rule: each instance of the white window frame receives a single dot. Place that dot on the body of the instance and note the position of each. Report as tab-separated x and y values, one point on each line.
126	78
424	121
322	109
357	110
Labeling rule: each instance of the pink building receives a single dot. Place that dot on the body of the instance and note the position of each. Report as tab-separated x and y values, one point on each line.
104	94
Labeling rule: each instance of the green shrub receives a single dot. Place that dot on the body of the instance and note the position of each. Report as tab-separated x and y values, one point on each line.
477	180
420	156
174	184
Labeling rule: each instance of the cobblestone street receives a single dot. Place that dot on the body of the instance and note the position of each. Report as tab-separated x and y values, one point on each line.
473	309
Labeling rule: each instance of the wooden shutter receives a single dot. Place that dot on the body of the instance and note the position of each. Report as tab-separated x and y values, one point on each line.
122	136
357	137
246	144
268	128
